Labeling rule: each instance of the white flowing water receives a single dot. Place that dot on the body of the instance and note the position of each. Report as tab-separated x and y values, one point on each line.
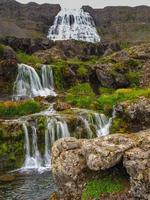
56	128
101	123
74	24
28	83
33	158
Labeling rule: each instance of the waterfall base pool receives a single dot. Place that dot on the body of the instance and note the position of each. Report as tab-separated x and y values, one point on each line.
28	186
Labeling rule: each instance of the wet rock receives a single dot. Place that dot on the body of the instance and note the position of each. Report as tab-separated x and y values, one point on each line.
61	106
7	178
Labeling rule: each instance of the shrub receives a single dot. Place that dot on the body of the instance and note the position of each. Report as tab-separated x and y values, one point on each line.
27	59
10	109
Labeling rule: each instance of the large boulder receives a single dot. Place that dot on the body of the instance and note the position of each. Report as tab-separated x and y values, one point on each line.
136	115
73	161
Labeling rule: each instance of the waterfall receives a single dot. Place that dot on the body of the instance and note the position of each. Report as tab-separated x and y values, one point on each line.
74	24
33	158
28	83
101	123
56	128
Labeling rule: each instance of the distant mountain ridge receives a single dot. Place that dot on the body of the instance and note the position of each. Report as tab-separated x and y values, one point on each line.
33	20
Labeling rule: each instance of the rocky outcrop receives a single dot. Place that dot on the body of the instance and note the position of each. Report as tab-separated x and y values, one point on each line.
137	163
26	20
122	23
113	23
136	115
73	160
8	70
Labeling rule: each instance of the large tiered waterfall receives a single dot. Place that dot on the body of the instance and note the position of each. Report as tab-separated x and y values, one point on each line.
29	84
92	124
74	24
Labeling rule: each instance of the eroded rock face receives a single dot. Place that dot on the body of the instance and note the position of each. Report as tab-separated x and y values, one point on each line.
72	158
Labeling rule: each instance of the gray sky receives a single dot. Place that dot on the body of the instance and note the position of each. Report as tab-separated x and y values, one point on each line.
93	3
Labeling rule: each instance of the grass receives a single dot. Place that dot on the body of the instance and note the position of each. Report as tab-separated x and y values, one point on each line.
95	188
81	95
10	109
120	95
27	59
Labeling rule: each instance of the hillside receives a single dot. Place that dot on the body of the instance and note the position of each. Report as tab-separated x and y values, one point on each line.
113	23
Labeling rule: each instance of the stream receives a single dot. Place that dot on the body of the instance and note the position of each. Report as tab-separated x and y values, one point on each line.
28	186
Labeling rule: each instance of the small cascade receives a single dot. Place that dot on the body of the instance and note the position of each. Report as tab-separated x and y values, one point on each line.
33	158
28	83
101	123
56	128
74	24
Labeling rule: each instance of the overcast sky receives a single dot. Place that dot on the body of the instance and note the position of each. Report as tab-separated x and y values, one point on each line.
93	3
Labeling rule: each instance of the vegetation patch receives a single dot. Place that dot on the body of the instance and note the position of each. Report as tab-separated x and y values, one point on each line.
28	59
10	109
107	185
106	101
1	50
81	95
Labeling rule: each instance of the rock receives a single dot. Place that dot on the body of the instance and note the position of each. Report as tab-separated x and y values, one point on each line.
136	114
30	20
8	71
54	196
7	178
110	78
60	106
137	163
74	160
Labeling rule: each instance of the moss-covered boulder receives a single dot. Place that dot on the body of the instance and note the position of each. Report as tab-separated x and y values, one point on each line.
11	145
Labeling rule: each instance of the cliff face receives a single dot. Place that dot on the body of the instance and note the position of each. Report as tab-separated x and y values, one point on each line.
122	23
26	20
113	23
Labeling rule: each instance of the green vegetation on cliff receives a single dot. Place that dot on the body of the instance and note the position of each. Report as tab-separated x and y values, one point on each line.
107	101
28	59
10	109
81	95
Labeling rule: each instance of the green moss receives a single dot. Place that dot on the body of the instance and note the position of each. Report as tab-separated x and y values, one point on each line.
28	59
132	63
1	50
133	78
11	146
95	188
15	109
118	126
